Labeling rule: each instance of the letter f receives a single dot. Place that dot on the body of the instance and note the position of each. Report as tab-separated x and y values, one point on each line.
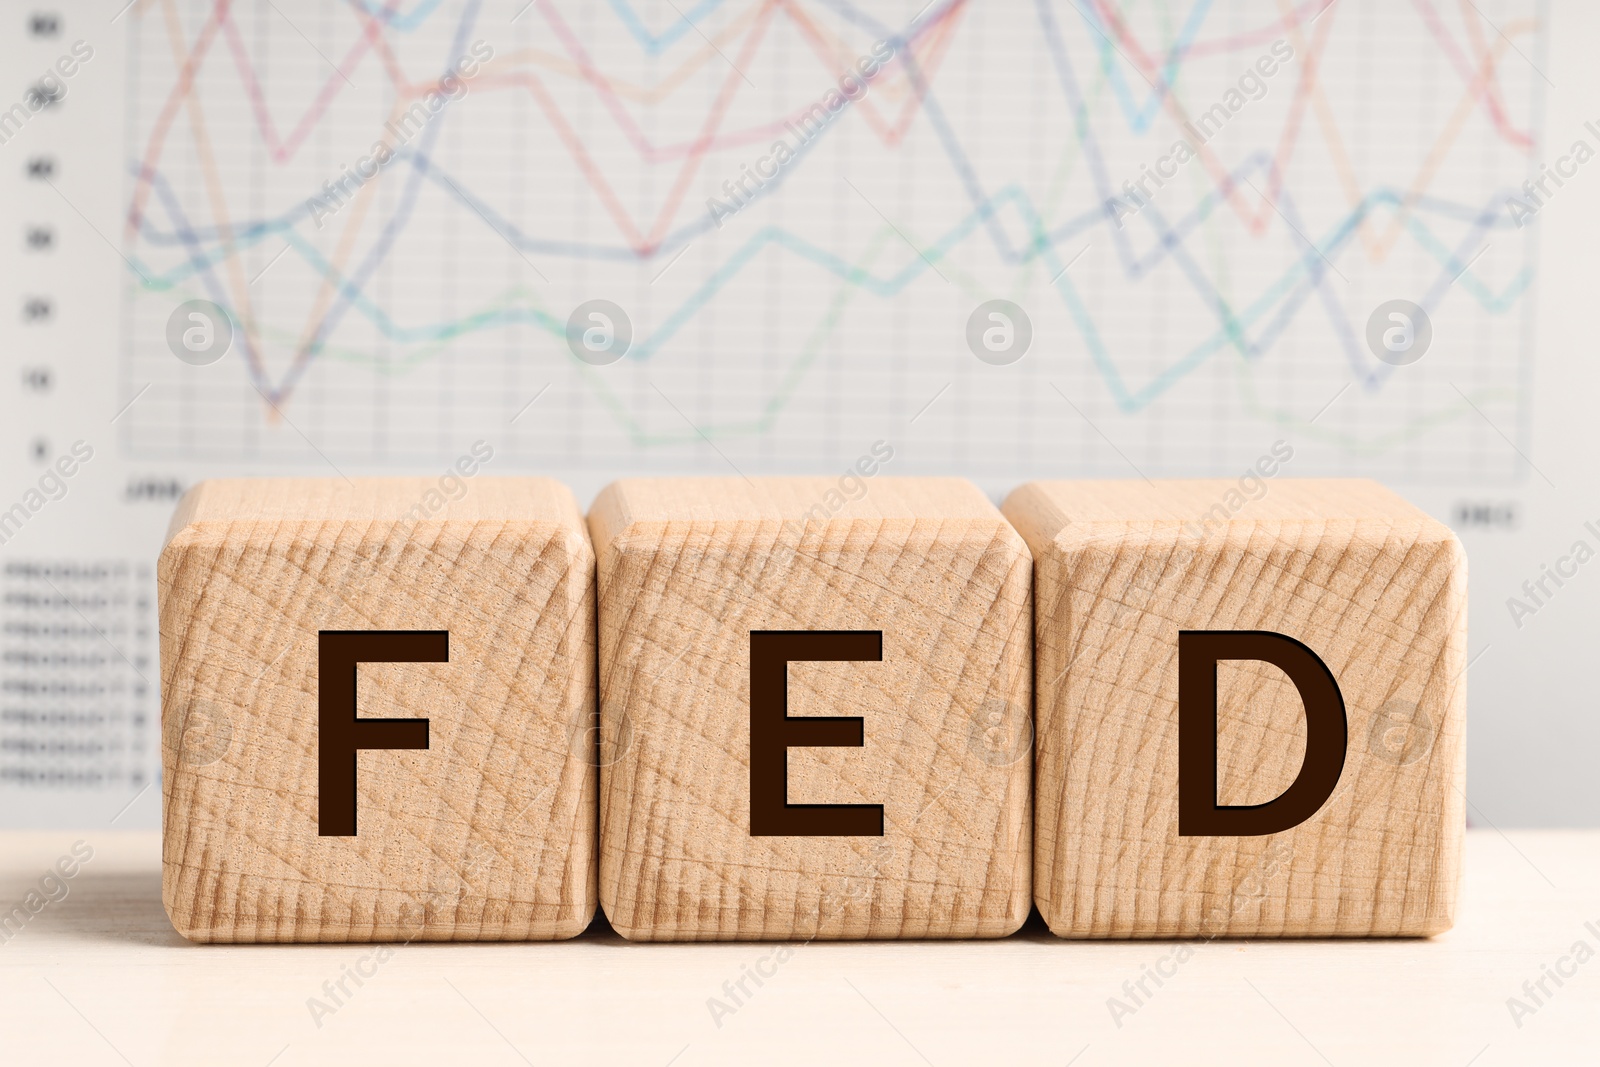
340	734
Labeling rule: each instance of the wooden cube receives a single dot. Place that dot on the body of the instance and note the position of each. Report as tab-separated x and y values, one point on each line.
1366	583
454	799
878	784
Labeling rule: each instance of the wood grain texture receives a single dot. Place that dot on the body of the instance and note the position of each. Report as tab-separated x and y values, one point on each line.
489	833
1373	585
687	569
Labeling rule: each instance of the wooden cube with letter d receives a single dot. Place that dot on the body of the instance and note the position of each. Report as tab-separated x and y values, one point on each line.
377	703
1251	706
815	709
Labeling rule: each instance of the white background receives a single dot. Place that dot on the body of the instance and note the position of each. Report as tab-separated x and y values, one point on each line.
1532	728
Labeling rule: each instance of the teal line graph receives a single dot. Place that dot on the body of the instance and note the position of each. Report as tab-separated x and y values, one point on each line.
1222	316
1129	398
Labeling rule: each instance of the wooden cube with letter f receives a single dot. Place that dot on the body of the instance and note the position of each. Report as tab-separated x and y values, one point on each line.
1251	707
815	709
377	710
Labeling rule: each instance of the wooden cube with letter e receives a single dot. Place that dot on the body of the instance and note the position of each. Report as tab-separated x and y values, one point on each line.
1250	703
815	709
378	710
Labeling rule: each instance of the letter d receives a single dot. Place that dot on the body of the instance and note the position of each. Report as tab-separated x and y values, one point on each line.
1327	733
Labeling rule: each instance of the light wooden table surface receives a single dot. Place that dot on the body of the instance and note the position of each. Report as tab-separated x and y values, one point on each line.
100	977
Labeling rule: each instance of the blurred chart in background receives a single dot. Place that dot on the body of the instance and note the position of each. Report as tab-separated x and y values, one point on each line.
800	215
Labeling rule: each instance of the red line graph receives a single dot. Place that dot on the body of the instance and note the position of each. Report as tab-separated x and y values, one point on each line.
1311	25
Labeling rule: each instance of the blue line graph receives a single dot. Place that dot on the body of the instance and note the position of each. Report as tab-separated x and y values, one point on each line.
1298	261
